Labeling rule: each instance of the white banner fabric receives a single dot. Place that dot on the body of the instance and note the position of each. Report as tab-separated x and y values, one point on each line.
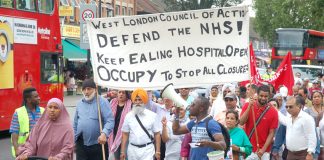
188	49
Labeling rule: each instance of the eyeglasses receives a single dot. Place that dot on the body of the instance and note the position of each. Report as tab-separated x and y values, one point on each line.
290	107
228	99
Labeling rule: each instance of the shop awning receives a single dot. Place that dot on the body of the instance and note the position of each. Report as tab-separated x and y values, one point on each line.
72	51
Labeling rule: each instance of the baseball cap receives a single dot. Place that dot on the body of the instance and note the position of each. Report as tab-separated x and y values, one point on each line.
230	95
315	81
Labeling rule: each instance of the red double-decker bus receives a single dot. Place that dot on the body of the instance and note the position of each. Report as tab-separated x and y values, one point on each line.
306	46
30	53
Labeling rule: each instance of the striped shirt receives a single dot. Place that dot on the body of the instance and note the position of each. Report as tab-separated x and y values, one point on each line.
33	118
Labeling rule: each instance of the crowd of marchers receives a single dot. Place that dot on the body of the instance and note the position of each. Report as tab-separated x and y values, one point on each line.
245	121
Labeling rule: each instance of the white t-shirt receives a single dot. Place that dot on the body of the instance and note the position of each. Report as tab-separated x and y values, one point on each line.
137	135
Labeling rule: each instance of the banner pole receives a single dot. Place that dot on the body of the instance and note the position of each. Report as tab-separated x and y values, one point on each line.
100	124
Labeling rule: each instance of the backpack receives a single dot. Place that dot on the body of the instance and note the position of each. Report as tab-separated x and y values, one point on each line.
224	133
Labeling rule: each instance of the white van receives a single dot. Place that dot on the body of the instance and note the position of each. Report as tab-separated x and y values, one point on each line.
308	71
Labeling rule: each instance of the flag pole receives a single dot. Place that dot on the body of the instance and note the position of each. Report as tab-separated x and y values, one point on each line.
253	114
100	124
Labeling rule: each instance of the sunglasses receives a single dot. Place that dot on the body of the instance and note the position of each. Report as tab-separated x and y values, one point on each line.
290	107
228	100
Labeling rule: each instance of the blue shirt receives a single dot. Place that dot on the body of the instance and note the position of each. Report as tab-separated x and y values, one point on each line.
199	133
33	118
86	121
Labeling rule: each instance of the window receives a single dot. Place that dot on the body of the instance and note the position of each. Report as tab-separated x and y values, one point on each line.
109	13
51	68
130	11
28	5
117	10
124	11
6	3
64	2
45	6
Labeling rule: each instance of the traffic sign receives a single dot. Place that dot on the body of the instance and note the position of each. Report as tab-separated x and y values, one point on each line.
87	14
87	11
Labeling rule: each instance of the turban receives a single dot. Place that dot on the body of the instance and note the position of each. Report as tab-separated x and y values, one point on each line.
141	93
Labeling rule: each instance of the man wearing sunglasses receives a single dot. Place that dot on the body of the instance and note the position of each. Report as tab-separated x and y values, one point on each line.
231	104
299	124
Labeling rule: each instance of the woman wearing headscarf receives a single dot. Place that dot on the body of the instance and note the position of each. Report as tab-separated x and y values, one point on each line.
52	135
120	106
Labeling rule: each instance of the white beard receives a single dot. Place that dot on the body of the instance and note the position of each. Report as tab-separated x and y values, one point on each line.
90	97
138	109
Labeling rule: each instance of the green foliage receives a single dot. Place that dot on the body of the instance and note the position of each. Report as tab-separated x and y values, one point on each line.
183	5
273	14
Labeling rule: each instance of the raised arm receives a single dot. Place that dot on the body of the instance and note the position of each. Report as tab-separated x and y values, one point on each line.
165	134
176	128
245	111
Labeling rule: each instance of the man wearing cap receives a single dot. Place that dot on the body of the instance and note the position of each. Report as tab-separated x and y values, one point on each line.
141	130
231	104
269	73
88	136
316	87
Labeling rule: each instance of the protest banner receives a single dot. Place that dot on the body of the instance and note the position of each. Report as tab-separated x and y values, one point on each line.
188	49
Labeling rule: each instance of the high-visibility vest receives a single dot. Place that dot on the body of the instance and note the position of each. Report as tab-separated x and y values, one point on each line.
23	121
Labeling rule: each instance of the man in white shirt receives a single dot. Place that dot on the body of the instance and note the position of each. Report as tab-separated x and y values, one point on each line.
141	142
300	133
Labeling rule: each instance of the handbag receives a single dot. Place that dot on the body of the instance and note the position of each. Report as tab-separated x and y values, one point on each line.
139	121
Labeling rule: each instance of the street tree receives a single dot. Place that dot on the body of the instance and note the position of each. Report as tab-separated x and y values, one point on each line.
273	14
183	5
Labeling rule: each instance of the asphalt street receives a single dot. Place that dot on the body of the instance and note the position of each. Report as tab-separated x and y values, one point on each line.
5	146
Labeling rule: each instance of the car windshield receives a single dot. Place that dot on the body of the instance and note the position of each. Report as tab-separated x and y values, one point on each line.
308	71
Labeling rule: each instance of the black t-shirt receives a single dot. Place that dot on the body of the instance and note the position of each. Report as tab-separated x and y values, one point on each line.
117	118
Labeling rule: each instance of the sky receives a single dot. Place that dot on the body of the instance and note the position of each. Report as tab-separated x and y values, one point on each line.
251	11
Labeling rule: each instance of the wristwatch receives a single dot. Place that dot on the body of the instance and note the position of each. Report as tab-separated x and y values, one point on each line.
309	152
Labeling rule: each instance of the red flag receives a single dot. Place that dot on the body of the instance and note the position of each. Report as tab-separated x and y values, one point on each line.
284	75
253	68
255	77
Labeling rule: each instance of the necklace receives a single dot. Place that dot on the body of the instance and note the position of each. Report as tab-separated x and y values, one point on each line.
317	110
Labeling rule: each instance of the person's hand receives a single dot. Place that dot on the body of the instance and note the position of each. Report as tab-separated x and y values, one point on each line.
177	111
204	144
260	153
22	157
52	158
102	139
122	156
235	148
157	155
251	101
275	156
164	121
309	157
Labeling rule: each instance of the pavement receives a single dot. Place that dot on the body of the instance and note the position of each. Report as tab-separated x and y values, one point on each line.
71	100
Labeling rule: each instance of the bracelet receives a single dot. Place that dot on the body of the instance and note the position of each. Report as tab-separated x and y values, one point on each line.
122	152
157	152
